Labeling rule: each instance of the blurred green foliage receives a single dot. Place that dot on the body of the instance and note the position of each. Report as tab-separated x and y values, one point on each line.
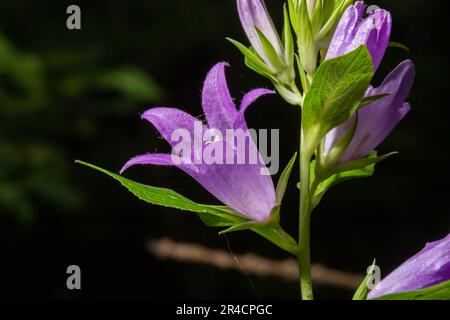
34	161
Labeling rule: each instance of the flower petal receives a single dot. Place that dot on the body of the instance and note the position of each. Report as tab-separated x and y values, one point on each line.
354	31
253	13
241	187
377	120
217	103
157	159
249	98
429	267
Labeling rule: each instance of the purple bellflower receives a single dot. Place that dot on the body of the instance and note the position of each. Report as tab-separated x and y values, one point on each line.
354	30
429	267
254	16
242	187
378	119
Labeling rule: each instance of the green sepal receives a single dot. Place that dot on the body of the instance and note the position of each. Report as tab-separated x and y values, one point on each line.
363	290
330	25
437	292
362	168
339	149
371	99
293	14
271	53
252	57
273	219
303	77
307	49
364	162
284	179
270	229
399	45
288	39
287	94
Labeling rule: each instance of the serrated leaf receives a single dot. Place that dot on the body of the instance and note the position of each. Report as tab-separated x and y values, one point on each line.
215	216
284	179
335	93
437	292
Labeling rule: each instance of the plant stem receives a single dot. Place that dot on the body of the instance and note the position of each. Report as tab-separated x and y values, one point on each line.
304	255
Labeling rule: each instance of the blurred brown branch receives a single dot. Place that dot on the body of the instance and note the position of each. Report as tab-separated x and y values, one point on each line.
252	264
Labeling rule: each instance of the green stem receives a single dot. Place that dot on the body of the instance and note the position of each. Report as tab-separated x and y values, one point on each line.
304	255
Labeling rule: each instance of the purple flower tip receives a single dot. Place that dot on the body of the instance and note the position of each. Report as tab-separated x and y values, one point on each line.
429	267
356	29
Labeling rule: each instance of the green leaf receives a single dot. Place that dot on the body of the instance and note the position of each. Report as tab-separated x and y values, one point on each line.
399	45
284	179
215	216
363	290
335	93
437	292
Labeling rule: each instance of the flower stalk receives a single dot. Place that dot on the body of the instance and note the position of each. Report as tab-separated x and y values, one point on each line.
304	256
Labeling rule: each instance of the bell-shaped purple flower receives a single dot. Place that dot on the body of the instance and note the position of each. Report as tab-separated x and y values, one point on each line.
429	267
378	119
242	187
254	15
354	30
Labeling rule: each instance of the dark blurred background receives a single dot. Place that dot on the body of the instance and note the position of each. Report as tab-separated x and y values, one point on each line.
67	95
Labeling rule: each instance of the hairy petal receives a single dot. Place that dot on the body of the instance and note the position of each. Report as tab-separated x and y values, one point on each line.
249	98
377	120
217	103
